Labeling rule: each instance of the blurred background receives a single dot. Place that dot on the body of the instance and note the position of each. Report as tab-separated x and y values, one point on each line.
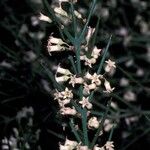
27	111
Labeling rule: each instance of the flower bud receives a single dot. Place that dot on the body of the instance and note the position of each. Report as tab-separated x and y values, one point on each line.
68	111
62	78
60	11
93	123
89	34
110	65
55	48
63	71
53	40
44	18
108	87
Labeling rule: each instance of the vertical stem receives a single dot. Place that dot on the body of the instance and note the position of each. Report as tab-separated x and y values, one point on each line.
84	126
74	20
104	56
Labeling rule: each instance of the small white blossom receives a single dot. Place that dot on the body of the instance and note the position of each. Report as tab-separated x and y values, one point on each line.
64	95
82	57
129	96
77	14
61	12
108	87
54	40
109	145
63	71
71	144
44	18
96	52
58	95
89	61
67	93
95	79
108	125
63	147
68	111
74	1
64	102
76	80
129	63
109	65
62	78
55	48
89	34
132	119
140	72
93	123
82	147
98	148
124	82
85	103
88	88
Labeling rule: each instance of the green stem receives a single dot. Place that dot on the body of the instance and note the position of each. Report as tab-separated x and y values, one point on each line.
101	126
71	123
73	64
84	126
74	20
89	17
104	56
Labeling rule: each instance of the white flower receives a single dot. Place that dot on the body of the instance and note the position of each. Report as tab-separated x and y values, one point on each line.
96	79
67	93
93	123
85	103
64	102
98	148
62	78
74	1
89	34
55	48
131	119
77	14
44	18
108	125
140	72
68	111
88	76
61	12
89	61
88	88
63	71
82	57
109	145
74	80
124	82
63	147
54	40
82	147
57	95
108	87
129	96
96	52
109	65
71	144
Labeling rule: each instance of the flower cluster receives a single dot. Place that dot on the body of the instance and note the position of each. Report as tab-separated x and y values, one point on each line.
72	103
71	145
17	139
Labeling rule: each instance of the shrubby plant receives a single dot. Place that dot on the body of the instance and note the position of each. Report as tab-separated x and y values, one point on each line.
92	93
76	86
